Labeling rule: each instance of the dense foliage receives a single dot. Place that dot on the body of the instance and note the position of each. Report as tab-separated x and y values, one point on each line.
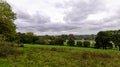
104	39
79	43
86	43
7	16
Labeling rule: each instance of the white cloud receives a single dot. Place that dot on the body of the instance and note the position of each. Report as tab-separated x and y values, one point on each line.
66	16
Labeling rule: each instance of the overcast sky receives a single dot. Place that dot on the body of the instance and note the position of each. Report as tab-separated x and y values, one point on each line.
66	16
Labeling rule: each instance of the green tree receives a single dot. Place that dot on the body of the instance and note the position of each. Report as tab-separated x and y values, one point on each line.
30	33
103	39
86	43
41	41
79	43
7	27
70	42
28	37
59	41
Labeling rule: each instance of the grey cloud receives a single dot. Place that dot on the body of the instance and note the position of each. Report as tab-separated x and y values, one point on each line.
82	9
39	23
50	27
75	19
23	15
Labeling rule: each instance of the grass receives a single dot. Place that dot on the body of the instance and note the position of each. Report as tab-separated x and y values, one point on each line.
62	56
69	47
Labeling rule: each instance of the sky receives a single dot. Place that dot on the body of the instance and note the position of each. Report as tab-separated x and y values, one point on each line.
55	17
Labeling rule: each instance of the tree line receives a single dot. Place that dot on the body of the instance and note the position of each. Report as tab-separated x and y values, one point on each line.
70	40
104	40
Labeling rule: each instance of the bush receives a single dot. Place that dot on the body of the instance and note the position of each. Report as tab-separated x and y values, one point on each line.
86	43
7	48
40	41
79	43
71	42
51	42
21	45
59	41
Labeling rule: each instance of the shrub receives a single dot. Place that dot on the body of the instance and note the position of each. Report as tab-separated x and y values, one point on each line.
7	48
51	42
21	45
86	43
40	41
59	41
70	42
79	43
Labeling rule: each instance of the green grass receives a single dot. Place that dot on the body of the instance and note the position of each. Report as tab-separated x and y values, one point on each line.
69	47
62	56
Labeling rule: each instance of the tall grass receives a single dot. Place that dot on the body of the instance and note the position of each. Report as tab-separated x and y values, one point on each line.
54	56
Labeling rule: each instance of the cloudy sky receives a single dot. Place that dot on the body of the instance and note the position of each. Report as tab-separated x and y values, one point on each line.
66	16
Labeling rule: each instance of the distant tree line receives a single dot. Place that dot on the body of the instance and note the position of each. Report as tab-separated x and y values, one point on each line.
61	40
85	37
104	40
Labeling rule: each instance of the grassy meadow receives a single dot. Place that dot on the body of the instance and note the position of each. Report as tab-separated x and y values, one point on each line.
62	56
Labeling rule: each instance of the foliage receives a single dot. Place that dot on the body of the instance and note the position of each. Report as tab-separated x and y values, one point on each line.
7	48
59	41
79	43
86	43
28	37
103	39
41	41
21	45
116	38
71	42
7	27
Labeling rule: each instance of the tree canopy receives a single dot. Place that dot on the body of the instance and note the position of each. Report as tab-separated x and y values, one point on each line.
104	38
7	17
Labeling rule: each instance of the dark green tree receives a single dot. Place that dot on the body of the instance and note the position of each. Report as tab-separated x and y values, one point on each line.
79	43
59	41
41	41
86	43
26	37
7	17
71	42
103	39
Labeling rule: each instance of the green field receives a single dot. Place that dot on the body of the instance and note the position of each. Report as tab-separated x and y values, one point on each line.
62	56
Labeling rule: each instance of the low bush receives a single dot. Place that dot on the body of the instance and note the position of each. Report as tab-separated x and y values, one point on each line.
7	48
21	45
79	43
71	42
86	43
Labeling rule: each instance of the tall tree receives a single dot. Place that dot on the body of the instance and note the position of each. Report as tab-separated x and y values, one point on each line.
102	39
7	17
71	42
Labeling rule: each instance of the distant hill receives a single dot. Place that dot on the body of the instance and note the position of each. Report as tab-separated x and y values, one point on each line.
85	37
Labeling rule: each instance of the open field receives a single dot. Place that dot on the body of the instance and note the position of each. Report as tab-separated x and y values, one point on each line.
62	56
